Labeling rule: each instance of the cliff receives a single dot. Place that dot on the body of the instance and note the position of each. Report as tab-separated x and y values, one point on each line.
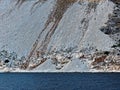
38	28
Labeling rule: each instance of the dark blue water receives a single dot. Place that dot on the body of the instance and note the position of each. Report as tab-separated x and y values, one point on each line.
60	81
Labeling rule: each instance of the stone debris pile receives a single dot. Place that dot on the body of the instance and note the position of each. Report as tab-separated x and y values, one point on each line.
10	60
106	61
58	58
99	60
34	62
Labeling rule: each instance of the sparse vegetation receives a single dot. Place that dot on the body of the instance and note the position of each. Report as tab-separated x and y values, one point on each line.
117	45
106	52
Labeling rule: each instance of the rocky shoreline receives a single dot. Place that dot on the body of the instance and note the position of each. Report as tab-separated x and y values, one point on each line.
99	60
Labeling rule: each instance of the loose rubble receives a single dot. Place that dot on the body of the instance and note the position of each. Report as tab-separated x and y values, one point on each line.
99	60
106	61
11	61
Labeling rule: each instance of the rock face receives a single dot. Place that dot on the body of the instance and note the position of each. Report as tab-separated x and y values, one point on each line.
78	28
112	27
21	23
35	28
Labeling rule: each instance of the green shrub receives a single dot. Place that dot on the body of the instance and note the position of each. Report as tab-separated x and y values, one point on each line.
106	52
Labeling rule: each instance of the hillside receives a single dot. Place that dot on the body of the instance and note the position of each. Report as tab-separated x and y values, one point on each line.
59	35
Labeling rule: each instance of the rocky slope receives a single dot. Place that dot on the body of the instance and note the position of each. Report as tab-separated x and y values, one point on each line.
58	35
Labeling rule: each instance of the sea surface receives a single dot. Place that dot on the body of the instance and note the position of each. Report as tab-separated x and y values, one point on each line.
59	81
